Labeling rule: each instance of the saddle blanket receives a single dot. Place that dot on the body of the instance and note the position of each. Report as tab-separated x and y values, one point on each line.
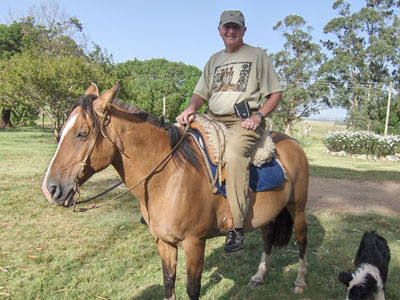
262	178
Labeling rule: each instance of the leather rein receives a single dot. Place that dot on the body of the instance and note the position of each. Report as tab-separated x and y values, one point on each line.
84	163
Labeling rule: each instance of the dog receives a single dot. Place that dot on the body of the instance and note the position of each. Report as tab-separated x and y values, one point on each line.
372	263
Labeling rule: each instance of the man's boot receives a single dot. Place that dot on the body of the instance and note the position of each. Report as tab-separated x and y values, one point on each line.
234	240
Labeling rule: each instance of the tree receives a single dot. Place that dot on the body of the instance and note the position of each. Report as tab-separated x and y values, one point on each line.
145	83
297	65
365	57
12	40
50	84
43	68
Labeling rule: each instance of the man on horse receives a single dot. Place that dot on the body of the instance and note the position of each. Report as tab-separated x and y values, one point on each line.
241	88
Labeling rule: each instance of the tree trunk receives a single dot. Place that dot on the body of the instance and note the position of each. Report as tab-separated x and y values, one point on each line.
5	121
288	127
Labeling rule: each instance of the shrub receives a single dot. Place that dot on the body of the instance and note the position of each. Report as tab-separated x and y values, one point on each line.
362	142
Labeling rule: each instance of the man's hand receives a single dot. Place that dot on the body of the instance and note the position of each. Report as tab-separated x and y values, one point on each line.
252	123
185	117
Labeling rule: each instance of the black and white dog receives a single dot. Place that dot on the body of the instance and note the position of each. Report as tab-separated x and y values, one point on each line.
372	263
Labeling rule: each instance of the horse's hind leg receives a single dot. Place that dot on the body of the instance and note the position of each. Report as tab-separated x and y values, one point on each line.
263	268
169	256
300	226
194	252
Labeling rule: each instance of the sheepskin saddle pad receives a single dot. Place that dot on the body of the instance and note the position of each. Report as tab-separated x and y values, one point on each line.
215	135
265	169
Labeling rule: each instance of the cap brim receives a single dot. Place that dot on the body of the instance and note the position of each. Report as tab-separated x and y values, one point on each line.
232	21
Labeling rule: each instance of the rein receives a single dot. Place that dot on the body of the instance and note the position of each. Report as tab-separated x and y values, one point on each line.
84	161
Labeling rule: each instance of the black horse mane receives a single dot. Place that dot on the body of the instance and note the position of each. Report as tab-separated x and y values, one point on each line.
184	150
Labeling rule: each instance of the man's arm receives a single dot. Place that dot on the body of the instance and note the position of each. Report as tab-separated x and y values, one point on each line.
195	104
269	105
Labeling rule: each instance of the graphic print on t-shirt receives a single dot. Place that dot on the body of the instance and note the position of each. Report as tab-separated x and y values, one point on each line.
231	77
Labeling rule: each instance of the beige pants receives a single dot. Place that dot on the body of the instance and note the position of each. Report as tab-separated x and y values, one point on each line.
237	160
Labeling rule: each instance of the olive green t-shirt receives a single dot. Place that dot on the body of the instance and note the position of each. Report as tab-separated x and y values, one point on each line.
230	78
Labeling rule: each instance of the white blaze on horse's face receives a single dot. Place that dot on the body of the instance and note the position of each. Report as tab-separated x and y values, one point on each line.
70	123
59	182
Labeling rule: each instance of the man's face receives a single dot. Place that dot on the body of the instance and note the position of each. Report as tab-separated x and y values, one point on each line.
232	34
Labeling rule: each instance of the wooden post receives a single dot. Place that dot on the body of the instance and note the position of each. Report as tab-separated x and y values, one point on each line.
388	110
163	107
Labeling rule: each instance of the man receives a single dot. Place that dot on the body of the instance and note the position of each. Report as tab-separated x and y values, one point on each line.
236	74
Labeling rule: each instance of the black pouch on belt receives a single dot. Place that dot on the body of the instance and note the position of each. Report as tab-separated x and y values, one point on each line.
242	110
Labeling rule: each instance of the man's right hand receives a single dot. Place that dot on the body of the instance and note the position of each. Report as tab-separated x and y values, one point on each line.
185	117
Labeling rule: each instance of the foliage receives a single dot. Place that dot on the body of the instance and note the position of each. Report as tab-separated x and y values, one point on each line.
394	117
145	83
49	84
364	57
362	142
44	69
297	66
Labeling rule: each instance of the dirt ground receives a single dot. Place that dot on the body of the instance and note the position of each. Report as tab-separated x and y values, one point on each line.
354	195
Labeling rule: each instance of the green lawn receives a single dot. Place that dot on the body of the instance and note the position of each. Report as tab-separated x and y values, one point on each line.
49	252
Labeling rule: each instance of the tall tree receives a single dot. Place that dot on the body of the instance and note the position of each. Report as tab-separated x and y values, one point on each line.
364	57
297	65
146	83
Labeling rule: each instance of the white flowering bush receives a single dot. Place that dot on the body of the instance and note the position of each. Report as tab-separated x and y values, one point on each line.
362	142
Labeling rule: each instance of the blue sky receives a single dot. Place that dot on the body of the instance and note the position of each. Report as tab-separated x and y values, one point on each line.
183	30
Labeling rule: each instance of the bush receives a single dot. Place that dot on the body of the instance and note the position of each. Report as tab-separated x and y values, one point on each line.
362	142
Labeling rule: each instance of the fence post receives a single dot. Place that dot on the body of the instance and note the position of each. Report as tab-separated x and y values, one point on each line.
388	110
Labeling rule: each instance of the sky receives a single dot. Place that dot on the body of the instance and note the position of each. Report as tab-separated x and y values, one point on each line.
182	30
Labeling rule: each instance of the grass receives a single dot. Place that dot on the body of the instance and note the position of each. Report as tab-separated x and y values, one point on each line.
48	252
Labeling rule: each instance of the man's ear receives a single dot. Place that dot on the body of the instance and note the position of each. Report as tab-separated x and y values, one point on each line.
345	278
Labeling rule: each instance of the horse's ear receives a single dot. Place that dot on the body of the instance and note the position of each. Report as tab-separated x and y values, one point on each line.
107	98
92	90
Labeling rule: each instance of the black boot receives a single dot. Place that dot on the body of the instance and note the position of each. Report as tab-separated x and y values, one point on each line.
142	221
234	240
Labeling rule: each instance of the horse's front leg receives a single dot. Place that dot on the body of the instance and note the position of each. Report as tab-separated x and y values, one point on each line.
194	252
169	257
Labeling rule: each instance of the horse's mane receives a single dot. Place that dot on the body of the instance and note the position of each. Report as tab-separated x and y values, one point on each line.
185	149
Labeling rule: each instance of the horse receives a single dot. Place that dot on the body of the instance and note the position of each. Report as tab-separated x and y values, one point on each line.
172	184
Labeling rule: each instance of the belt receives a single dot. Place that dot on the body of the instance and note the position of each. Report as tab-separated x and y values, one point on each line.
230	115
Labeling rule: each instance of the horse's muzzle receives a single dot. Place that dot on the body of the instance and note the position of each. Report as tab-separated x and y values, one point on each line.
55	196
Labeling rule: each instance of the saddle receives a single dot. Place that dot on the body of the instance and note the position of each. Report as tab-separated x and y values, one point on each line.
211	136
265	169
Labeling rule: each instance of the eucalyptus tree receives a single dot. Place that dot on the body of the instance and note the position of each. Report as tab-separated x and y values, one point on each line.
146	83
297	66
365	58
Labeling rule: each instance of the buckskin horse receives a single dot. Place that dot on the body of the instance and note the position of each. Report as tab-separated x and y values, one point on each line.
175	197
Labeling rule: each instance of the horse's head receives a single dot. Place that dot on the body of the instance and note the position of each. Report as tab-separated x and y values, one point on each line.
82	149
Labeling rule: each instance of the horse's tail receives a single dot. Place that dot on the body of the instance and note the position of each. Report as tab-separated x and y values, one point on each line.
283	227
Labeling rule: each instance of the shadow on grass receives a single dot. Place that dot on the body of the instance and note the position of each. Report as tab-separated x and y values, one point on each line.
343	173
151	292
241	266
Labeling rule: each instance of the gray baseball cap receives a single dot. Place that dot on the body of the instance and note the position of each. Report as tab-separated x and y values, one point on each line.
232	16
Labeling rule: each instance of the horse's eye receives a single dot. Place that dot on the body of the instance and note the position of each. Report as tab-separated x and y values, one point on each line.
83	135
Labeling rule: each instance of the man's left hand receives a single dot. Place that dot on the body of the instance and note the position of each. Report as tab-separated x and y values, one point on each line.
251	123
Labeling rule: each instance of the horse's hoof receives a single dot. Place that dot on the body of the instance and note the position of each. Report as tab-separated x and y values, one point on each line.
298	289
254	283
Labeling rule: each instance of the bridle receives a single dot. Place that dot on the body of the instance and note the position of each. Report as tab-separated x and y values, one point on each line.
83	164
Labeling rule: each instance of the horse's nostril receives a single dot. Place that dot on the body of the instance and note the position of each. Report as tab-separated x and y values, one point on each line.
52	190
